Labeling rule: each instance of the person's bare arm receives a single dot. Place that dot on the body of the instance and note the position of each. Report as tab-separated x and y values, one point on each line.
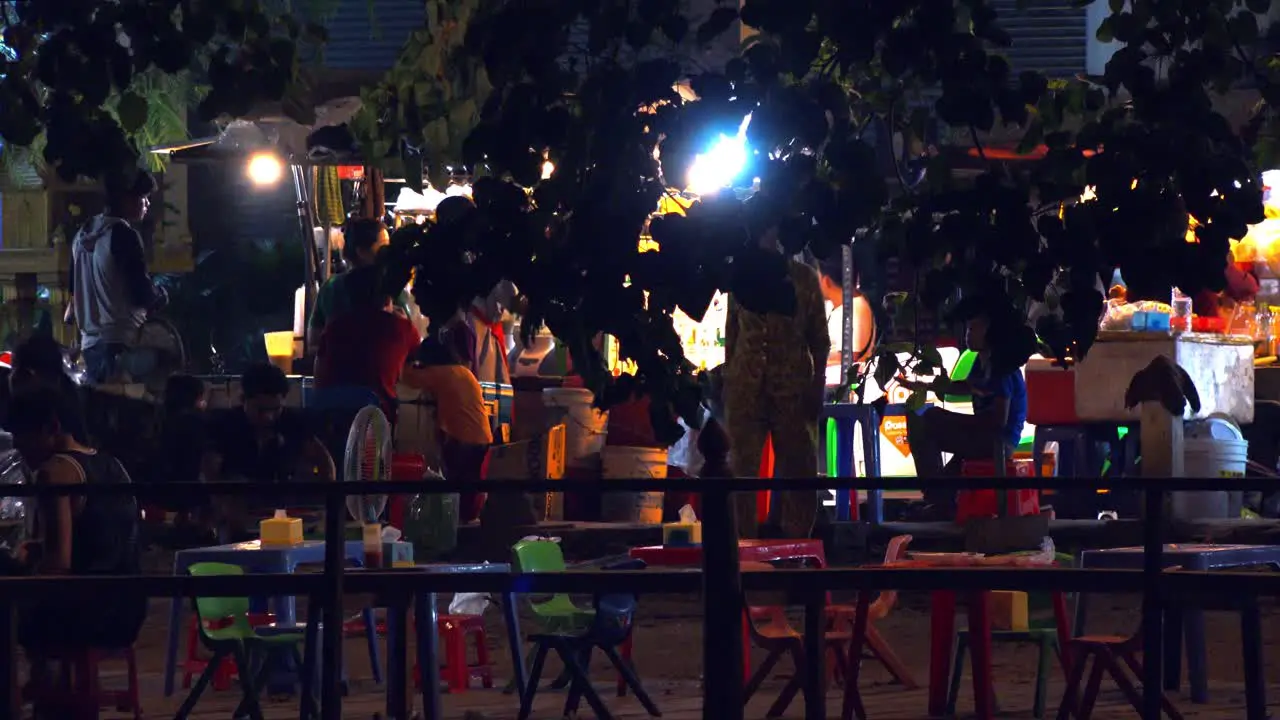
55	515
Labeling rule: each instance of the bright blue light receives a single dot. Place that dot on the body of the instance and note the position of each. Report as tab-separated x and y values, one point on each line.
722	164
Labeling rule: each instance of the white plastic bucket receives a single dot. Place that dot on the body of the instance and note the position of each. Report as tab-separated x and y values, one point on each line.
584	425
628	463
1209	458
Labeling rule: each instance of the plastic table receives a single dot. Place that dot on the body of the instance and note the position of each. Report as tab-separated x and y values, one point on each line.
942	633
758	551
255	558
1188	621
426	615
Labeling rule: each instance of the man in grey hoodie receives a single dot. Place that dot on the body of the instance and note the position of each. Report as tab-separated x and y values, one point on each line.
112	291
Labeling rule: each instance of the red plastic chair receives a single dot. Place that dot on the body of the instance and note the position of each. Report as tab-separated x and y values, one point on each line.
458	671
75	690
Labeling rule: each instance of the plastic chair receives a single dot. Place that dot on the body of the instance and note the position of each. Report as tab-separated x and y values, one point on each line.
1112	654
196	663
610	628
959	373
558	613
1041	632
879	610
454	630
78	691
233	636
777	638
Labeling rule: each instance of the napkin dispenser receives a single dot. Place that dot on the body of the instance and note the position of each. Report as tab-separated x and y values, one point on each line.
280	530
685	533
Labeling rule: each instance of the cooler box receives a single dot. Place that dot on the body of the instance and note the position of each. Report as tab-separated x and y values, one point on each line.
1051	394
982	503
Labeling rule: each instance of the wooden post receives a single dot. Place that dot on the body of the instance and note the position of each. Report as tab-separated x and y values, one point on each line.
1161	441
1161	437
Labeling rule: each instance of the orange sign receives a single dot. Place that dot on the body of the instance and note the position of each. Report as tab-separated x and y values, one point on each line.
894	429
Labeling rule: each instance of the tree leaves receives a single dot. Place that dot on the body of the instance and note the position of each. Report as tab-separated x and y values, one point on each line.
90	74
132	111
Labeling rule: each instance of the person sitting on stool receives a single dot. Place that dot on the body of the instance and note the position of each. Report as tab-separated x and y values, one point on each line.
999	403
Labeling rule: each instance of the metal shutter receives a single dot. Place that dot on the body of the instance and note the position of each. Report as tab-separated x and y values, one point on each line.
1049	36
368	34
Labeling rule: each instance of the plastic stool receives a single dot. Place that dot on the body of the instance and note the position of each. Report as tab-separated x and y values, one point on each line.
77	691
457	672
847	417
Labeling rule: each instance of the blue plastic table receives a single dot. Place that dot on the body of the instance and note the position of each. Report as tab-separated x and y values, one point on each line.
426	615
255	558
1198	557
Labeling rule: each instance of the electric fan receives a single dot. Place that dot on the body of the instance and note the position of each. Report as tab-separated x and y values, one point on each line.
367	459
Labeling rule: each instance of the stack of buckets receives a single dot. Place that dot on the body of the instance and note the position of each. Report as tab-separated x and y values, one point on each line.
1213	448
585	429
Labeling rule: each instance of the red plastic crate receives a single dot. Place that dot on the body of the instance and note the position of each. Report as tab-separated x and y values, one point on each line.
1051	394
982	503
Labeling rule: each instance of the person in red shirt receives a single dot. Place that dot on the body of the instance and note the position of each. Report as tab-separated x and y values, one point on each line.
369	345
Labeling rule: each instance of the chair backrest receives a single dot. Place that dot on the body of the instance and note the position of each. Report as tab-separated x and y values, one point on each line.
960	372
615	612
538	556
896	551
235	609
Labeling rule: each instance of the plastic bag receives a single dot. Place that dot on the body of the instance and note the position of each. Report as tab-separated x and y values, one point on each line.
468	603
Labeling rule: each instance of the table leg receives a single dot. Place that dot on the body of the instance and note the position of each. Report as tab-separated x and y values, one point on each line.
399	697
1082	614
942	634
514	639
852	704
427	617
1172	647
1063	621
980	650
310	656
815	650
1255	684
1197	673
171	649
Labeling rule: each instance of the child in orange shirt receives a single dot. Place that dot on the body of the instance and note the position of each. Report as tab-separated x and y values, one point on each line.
462	425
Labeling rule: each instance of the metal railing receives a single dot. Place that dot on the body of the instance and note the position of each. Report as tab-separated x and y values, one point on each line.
719	579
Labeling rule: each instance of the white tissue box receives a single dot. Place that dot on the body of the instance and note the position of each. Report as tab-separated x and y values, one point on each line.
681	534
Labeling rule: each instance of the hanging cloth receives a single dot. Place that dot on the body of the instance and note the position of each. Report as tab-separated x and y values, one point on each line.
329	205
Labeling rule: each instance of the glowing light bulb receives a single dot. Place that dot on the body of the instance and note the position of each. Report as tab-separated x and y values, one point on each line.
548	167
265	168
722	164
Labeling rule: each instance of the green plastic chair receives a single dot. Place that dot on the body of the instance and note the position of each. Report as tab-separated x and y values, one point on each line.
557	614
960	373
1042	631
249	647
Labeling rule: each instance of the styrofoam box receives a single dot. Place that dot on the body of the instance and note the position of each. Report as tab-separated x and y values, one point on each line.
1221	368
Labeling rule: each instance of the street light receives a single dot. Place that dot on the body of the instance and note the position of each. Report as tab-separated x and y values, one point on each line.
265	168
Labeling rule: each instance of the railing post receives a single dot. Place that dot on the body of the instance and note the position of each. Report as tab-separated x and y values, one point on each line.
10	696
1152	607
723	609
335	511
